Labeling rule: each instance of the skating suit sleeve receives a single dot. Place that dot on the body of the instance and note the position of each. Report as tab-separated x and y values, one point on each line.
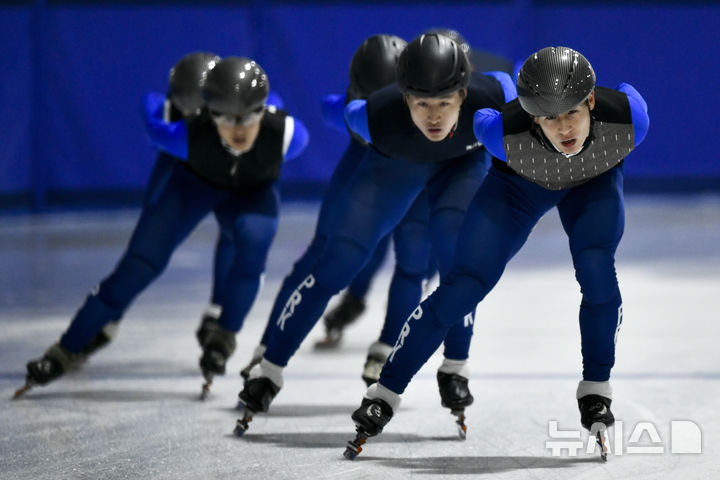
488	128
487	122
170	137
356	117
508	86
295	138
638	110
333	111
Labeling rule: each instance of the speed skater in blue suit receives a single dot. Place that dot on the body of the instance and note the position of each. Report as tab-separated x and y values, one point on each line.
420	135
561	144
232	154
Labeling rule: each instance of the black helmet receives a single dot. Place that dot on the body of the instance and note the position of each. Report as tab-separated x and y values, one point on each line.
453	35
236	88
187	78
431	66
554	80
373	64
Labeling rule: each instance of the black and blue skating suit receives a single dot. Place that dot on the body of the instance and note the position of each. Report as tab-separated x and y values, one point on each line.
240	189
529	177
398	165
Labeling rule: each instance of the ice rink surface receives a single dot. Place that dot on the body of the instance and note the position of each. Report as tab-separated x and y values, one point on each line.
133	411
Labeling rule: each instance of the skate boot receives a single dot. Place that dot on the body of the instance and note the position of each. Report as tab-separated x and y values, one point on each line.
595	415
371	417
346	312
255	360
218	346
375	361
207	323
255	397
55	362
455	395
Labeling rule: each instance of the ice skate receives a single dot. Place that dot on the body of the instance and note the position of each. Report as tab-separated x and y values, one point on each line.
208	323
218	345
346	312
455	395
370	419
54	363
255	397
595	415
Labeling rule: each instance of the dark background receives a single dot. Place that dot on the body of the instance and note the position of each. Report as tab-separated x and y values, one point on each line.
73	74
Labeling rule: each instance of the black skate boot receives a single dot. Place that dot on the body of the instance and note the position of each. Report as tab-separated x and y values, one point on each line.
218	346
255	397
54	363
370	419
455	395
208	322
595	411
346	312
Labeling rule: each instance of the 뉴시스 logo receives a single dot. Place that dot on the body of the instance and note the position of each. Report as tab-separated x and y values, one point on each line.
684	437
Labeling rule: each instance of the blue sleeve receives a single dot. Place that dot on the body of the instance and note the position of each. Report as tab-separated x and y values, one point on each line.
333	111
299	140
275	100
516	69
170	137
357	119
508	86
488	128
638	110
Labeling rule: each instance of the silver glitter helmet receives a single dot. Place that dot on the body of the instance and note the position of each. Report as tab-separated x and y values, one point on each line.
373	65
236	90
554	80
433	65
186	81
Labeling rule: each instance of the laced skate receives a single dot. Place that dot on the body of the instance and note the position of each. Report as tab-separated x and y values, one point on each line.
595	415
370	419
255	397
455	395
54	363
218	345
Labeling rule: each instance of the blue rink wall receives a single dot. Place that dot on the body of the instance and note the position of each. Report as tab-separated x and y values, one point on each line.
73	73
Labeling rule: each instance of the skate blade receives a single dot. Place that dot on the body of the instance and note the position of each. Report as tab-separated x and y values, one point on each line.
600	439
205	391
242	425
354	447
460	423
22	390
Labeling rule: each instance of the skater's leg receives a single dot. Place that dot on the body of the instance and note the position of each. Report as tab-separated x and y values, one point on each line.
251	221
593	216
162	226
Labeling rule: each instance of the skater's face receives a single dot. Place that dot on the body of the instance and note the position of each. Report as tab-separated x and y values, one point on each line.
240	135
568	131
435	117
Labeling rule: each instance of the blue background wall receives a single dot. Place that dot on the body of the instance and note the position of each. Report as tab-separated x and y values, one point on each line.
73	73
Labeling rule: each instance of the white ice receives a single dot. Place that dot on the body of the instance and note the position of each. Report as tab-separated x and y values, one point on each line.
133	411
